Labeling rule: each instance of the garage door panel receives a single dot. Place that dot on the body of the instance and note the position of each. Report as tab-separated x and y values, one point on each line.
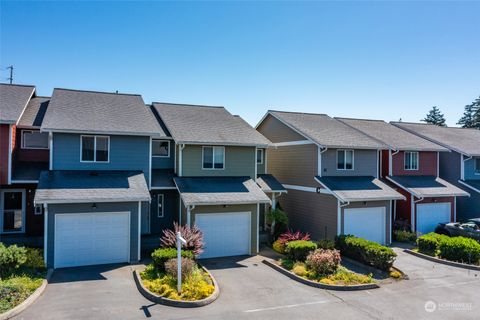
367	223
225	234
91	238
429	215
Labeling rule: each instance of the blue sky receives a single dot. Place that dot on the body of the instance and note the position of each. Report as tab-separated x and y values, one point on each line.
380	60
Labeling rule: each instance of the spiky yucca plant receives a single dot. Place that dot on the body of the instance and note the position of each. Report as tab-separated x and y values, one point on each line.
193	236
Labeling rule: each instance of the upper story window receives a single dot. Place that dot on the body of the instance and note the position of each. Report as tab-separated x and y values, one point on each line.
259	156
161	148
477	165
344	159
213	158
94	148
411	160
34	139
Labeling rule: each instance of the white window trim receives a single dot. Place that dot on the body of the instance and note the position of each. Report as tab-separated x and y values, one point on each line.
213	158
94	149
24	206
163	208
158	140
345	160
262	157
476	170
405	161
30	148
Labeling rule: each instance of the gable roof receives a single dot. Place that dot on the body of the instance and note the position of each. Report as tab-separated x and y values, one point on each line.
394	137
99	112
191	124
34	112
325	131
465	141
427	186
13	100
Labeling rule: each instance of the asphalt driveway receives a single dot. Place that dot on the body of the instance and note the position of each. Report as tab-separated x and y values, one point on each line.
252	290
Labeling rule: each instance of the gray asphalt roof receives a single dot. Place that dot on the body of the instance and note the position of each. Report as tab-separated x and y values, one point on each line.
268	183
326	131
91	186
34	112
27	170
207	125
13	99
219	190
163	178
99	112
362	188
394	137
465	141
427	186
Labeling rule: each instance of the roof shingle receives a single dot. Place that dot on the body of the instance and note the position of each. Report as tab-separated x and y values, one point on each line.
427	186
34	112
465	141
99	112
394	137
13	100
327	132
207	125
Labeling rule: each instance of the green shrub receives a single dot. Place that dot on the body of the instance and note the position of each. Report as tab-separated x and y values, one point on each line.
365	251
11	258
287	263
299	250
300	269
326	244
34	258
279	246
404	236
430	242
460	249
160	256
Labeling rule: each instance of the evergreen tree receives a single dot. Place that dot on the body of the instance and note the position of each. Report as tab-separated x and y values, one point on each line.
435	117
471	115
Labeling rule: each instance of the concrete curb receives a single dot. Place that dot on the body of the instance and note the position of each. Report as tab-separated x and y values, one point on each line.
443	261
29	301
315	284
176	303
375	270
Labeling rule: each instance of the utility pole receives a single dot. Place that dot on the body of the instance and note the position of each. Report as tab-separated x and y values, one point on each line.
11	74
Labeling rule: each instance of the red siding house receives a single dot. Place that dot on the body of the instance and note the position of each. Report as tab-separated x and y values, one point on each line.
410	165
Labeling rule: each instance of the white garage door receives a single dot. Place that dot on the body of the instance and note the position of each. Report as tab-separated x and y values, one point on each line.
367	223
225	234
431	214
87	239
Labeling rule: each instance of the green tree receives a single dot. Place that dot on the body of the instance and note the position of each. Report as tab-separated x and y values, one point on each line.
471	115
435	117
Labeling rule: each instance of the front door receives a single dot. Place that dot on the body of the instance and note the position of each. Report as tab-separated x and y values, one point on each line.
12	211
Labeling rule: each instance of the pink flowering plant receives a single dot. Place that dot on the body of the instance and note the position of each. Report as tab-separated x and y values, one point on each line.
324	262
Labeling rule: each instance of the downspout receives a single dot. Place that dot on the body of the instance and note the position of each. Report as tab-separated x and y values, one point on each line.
462	173
45	234
414	211
180	156
390	160
189	211
320	152
339	215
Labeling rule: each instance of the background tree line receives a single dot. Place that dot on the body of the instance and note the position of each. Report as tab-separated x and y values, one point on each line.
470	118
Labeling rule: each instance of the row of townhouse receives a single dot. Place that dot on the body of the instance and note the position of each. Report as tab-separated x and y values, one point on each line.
94	177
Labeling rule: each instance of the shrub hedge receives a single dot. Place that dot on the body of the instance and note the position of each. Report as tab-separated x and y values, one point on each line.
298	250
404	236
365	251
160	256
11	257
429	243
460	249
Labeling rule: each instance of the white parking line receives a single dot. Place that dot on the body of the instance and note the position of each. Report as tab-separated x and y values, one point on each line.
287	306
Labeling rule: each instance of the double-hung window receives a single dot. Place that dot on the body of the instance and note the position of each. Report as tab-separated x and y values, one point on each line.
213	158
34	139
411	160
259	156
94	148
344	159
477	165
161	148
160	206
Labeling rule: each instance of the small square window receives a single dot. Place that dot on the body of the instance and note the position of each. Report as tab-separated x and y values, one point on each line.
94	148
161	148
345	159
213	158
260	156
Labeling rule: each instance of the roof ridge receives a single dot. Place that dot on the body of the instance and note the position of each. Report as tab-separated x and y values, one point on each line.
360	119
17	85
188	105
298	112
431	124
102	92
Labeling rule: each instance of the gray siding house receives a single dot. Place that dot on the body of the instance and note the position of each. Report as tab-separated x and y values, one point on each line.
95	194
332	176
461	166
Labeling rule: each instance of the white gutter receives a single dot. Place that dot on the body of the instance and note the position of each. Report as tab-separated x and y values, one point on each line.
180	156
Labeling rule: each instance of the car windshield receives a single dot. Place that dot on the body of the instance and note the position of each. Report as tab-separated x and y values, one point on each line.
470	225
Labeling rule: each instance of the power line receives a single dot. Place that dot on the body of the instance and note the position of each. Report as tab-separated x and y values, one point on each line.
11	74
